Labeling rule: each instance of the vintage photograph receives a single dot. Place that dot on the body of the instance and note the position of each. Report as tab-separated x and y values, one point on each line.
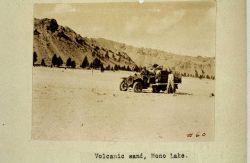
126	72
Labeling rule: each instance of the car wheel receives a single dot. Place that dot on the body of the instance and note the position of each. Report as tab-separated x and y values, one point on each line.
155	89
137	87
123	86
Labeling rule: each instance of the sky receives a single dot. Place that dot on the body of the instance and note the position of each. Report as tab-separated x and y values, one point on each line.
184	28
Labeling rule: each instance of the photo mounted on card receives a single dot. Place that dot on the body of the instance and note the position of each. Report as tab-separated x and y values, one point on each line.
124	72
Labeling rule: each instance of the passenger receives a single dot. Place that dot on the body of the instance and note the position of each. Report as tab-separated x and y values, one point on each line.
151	71
144	71
157	75
158	70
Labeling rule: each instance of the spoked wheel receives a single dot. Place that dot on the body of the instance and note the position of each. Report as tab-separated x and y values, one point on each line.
137	87
155	90
123	86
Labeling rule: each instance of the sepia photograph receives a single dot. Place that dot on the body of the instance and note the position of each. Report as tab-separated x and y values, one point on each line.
124	72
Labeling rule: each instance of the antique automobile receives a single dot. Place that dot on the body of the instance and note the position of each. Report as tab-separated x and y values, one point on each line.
144	80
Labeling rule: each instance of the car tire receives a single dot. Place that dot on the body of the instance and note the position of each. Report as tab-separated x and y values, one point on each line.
137	87
155	89
123	86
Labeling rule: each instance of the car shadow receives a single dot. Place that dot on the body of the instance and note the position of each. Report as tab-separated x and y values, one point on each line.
183	93
150	92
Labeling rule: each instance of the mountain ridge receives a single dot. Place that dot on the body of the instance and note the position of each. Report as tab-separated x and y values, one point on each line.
153	49
50	38
186	65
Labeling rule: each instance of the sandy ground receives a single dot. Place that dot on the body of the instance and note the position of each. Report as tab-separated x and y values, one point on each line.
78	105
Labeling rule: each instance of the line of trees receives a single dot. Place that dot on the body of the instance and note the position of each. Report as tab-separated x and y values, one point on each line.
57	61
35	60
95	64
196	75
70	63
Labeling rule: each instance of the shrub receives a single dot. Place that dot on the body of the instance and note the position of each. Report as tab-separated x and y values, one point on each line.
73	64
68	62
43	63
59	61
34	58
108	67
96	63
85	63
54	60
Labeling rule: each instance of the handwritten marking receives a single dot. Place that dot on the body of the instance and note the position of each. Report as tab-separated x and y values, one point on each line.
197	134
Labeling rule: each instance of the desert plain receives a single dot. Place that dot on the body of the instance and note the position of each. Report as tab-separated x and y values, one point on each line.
86	105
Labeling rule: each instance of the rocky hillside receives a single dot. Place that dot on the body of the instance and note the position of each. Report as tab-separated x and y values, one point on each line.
186	65
51	38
